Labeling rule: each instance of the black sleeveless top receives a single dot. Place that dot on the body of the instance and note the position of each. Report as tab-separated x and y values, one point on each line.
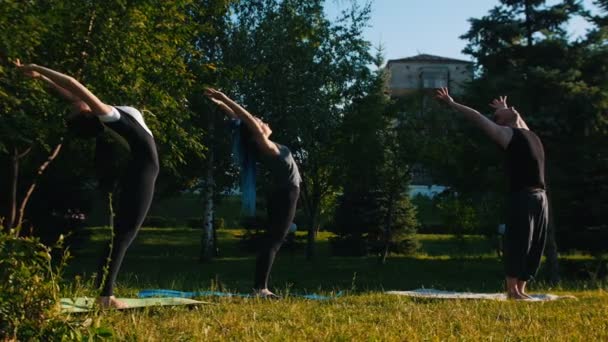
139	141
282	168
525	161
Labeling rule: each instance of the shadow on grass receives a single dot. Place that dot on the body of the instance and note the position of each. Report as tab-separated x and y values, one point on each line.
168	258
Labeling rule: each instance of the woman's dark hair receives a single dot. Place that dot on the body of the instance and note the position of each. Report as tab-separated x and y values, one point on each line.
245	151
84	126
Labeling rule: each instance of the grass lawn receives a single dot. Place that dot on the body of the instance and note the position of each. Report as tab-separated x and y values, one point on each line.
168	258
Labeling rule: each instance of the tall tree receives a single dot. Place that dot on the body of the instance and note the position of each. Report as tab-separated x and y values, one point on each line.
374	208
298	70
127	52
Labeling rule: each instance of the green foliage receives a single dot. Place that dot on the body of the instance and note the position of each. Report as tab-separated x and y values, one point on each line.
354	316
458	214
559	85
254	235
295	68
375	176
402	228
29	292
160	221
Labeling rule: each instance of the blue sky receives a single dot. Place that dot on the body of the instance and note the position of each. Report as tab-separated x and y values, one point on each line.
409	27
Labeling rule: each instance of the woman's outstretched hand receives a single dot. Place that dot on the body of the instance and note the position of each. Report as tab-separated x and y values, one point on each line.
214	95
26	69
444	95
219	99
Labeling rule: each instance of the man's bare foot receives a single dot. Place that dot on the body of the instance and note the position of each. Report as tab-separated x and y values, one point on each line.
107	302
527	296
516	296
521	288
265	293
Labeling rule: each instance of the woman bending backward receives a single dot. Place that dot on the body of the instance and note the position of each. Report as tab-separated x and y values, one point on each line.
88	118
284	183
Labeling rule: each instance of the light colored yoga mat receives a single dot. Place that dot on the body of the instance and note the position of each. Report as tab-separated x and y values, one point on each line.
439	294
172	293
84	304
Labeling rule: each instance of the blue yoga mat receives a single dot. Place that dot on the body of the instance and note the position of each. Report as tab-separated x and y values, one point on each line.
182	294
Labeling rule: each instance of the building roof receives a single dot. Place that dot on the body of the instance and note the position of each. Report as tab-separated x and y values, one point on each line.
428	59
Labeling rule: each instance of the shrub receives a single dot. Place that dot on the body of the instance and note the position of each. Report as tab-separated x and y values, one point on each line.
592	240
197	223
407	245
369	220
458	215
349	245
29	292
160	222
254	233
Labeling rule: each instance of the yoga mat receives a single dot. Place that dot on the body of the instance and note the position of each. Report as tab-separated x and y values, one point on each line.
439	294
182	294
84	304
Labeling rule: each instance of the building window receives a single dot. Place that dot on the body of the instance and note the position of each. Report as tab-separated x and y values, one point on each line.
432	79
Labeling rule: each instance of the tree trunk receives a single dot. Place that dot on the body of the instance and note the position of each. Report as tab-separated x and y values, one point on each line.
32	187
108	208
387	229
207	238
216	249
551	249
13	177
11	220
313	228
528	23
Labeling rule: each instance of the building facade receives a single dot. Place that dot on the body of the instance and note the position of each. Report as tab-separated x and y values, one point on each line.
407	75
410	75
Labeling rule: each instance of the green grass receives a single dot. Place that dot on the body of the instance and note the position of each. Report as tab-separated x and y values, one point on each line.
168	258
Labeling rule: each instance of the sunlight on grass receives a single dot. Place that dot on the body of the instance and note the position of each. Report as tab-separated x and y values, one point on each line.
168	258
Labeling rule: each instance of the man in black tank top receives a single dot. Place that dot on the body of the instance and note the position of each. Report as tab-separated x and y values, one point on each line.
528	209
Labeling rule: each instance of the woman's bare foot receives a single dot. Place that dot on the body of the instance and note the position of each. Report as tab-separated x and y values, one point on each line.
107	302
265	293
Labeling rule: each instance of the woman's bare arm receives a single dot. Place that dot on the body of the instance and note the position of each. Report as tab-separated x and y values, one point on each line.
224	107
248	119
72	86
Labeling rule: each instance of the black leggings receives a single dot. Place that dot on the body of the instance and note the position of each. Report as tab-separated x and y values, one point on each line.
281	212
134	199
525	235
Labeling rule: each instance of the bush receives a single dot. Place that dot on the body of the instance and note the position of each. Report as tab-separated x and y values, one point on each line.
254	233
160	222
408	245
592	240
361	220
29	292
349	245
459	215
197	223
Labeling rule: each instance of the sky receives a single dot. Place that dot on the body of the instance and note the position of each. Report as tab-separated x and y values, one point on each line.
409	27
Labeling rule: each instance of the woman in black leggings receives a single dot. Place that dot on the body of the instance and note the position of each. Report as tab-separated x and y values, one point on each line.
126	124
284	183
